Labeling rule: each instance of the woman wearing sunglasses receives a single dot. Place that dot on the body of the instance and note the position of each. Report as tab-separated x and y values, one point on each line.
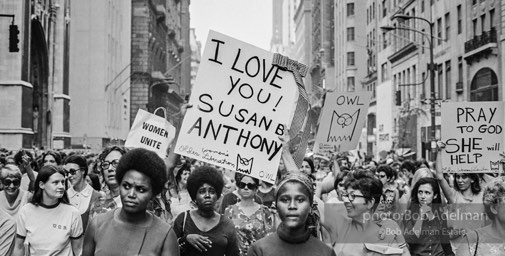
49	225
12	198
80	193
252	221
107	163
361	233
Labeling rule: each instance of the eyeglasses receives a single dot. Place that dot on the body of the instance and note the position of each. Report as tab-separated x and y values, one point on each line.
351	196
8	182
381	176
105	164
242	185
72	171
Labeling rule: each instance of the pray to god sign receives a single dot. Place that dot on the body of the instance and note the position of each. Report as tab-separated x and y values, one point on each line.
473	134
241	105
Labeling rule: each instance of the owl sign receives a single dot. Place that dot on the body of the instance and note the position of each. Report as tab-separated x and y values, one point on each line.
341	122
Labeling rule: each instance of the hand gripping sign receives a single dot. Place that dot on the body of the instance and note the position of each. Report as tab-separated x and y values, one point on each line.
241	104
151	132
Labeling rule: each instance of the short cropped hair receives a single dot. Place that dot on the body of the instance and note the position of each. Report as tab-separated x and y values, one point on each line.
202	175
146	162
107	150
494	194
78	160
11	170
369	185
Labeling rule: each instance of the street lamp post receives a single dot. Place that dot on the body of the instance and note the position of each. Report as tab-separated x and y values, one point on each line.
432	76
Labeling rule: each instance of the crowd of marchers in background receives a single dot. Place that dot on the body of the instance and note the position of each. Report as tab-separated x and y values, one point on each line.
131	202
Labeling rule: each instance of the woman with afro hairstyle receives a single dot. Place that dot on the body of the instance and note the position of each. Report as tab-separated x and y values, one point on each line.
204	231
131	229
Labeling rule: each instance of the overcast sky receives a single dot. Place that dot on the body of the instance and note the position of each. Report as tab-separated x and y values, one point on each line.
246	20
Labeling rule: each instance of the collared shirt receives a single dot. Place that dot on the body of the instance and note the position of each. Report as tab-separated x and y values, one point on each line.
81	199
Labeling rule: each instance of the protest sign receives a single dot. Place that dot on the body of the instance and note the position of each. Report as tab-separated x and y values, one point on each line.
341	122
151	132
241	104
473	134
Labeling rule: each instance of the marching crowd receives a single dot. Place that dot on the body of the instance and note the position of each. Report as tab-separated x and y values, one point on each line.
132	202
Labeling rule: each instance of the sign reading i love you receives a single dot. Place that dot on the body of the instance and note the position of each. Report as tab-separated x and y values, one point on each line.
241	103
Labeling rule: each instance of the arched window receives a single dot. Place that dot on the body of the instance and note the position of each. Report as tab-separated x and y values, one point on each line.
484	86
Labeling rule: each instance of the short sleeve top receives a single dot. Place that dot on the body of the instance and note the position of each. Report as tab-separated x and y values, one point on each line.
48	230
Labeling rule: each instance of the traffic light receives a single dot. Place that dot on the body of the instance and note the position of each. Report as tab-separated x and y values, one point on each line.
13	38
398	98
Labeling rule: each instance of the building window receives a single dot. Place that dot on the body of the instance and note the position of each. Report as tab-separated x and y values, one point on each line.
384	71
384	9
350	59
460	69
460	22
414	81
422	6
484	86
350	9
447	26
482	23
440	81
474	27
448	85
350	34
384	40
439	30
491	18
423	86
350	84
423	46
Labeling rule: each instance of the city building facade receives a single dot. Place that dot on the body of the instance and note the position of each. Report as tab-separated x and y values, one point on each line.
34	82
100	73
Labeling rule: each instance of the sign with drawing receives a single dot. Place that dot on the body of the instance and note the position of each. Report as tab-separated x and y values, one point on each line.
473	134
241	103
341	122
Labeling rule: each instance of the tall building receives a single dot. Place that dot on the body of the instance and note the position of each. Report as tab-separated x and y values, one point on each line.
100	72
34	82
468	59
196	55
302	49
283	26
157	43
350	48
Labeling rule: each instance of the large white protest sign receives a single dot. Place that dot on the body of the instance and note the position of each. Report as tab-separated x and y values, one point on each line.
341	122
473	134
151	132
241	104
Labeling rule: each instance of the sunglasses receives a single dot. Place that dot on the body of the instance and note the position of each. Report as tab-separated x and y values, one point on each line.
105	164
351	196
250	186
8	182
72	171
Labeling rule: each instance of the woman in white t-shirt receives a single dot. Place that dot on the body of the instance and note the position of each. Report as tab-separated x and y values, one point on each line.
49	225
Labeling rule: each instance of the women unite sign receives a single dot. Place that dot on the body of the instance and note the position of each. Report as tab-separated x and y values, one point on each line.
241	104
